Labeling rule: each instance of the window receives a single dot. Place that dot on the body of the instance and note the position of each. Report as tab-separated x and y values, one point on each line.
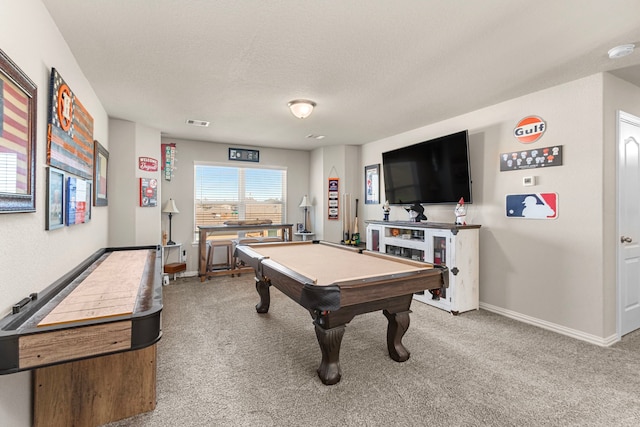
226	193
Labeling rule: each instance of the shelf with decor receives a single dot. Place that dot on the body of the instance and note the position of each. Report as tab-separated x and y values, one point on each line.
456	246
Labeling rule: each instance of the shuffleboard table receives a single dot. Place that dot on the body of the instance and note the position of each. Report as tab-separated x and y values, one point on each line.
90	339
336	283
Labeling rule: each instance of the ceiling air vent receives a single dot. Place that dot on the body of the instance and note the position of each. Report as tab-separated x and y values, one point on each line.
201	123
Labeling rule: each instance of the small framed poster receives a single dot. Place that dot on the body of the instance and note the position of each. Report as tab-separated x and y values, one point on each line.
77	199
55	199
148	192
100	168
372	184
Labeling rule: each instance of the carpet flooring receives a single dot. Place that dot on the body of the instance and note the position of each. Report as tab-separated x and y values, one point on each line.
222	364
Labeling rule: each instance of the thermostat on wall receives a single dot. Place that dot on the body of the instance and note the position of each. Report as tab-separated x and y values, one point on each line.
529	181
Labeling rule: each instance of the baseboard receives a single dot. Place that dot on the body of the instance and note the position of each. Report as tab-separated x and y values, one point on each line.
188	274
573	333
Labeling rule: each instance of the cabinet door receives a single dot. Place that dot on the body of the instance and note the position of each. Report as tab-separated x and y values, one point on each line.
374	233
465	259
438	247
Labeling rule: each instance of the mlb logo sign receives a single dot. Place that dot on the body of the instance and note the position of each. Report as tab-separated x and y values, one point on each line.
533	206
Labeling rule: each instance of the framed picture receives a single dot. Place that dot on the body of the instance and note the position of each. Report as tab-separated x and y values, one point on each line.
18	98
69	130
55	199
244	155
531	159
372	184
77	201
100	169
89	187
333	198
148	192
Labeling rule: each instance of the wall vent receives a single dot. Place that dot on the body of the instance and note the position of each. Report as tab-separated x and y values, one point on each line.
201	123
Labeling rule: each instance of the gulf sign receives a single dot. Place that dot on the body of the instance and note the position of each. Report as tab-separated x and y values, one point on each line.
530	129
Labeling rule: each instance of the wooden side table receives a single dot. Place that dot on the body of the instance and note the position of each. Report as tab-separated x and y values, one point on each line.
173	267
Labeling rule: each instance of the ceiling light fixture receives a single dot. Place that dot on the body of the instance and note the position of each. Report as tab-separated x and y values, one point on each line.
301	108
312	136
620	51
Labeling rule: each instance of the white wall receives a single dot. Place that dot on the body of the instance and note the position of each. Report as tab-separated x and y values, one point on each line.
181	186
30	257
316	188
131	224
548	272
338	161
121	188
148	219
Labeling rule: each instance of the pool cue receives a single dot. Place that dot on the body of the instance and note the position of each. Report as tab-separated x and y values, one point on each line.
355	239
346	219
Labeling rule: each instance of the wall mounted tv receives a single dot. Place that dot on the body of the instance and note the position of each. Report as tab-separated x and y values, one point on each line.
430	172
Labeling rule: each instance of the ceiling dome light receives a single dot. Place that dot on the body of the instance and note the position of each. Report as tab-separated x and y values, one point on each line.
301	108
620	51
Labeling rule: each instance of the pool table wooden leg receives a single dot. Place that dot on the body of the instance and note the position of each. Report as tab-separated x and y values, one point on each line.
330	341
398	325
265	297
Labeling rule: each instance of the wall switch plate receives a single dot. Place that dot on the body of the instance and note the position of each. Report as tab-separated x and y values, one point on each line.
529	181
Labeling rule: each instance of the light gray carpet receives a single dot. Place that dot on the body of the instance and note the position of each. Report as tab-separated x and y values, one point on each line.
221	363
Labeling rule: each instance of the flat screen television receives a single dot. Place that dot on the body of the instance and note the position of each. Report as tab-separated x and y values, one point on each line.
430	172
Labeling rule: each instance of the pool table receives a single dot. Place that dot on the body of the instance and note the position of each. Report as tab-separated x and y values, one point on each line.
336	283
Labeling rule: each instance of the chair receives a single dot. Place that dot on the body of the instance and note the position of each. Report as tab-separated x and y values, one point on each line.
211	247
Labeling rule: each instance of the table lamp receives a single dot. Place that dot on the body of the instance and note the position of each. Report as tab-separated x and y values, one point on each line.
170	208
305	205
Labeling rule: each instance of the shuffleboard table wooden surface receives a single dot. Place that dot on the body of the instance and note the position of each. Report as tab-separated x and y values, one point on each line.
335	283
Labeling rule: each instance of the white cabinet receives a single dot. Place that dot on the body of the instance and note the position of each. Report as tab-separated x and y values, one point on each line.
456	246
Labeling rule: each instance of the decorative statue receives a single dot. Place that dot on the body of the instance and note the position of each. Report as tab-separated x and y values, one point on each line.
461	212
416	213
386	208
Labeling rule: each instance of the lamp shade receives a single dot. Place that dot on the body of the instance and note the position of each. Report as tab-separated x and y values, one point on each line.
301	108
305	202
170	207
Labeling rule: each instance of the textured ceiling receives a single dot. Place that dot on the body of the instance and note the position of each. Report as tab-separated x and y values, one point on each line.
375	67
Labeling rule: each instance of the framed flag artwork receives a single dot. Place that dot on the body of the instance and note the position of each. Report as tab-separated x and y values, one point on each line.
18	102
70	130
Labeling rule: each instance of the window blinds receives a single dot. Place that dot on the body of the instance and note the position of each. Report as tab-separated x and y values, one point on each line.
225	193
